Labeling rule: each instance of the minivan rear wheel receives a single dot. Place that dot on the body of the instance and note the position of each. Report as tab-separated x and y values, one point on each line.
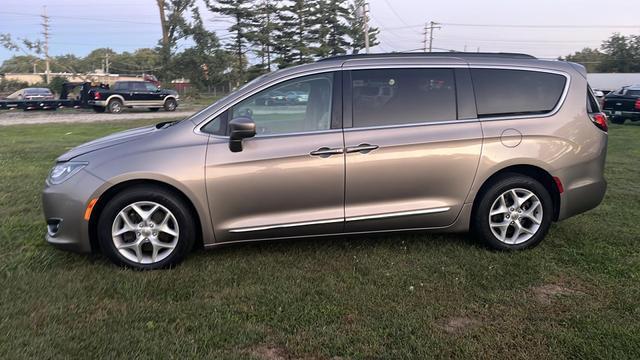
514	213
145	228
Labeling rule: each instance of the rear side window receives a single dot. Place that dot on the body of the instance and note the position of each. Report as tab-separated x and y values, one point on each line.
633	93
402	96
592	102
501	92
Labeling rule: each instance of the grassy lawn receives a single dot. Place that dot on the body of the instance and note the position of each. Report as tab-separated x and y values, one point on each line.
577	295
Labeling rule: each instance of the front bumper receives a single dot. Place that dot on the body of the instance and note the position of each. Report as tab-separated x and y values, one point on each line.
64	206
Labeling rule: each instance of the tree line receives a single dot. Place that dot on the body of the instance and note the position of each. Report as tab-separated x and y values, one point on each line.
618	54
259	36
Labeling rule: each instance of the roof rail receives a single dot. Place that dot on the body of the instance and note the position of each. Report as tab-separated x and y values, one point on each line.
501	55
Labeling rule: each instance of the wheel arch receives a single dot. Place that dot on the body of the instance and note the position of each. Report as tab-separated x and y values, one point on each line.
169	97
112	191
533	171
115	96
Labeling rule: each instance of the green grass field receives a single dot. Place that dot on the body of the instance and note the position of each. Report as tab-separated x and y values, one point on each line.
577	295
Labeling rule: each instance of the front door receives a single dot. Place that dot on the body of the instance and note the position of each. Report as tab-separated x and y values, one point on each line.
289	179
410	160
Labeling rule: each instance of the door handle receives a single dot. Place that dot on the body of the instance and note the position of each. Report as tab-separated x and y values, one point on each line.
362	148
326	152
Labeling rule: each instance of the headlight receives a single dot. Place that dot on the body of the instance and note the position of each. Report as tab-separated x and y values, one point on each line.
63	171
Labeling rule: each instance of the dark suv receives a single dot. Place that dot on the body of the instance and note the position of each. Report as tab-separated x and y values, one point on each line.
133	94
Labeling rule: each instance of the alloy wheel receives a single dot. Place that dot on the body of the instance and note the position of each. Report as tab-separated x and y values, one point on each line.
515	216
145	232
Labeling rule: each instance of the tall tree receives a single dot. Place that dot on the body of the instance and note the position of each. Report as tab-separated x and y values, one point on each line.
263	26
331	31
357	28
174	28
240	14
294	38
623	54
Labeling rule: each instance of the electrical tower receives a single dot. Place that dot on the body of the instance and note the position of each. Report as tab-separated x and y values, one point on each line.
46	33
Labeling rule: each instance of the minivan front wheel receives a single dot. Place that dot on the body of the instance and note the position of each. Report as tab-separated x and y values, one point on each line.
146	227
514	213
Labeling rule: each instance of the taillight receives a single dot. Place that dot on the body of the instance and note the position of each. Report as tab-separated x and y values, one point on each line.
599	120
97	96
637	106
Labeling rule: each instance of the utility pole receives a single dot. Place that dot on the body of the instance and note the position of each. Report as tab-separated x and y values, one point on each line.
362	12
426	35
365	11
106	62
46	33
432	26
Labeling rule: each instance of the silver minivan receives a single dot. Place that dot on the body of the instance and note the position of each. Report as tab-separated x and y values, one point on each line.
499	144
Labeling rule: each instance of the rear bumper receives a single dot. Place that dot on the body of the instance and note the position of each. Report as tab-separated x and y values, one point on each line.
64	206
581	198
97	102
625	114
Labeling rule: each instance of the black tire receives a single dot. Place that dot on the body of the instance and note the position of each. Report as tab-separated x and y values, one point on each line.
114	106
617	120
171	201
99	109
170	104
154	109
480	222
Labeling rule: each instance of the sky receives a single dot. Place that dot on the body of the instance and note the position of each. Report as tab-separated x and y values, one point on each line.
543	28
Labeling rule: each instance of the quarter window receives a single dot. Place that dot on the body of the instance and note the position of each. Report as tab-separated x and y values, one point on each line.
402	96
299	105
501	92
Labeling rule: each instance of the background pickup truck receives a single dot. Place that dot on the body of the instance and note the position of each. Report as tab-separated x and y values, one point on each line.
132	94
623	104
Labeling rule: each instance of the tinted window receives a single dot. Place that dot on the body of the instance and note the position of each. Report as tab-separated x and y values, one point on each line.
592	103
515	92
217	126
139	86
120	86
402	96
633	93
298	105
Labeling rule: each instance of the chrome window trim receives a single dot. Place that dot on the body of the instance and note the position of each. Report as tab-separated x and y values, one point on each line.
273	82
347	219
554	111
352	67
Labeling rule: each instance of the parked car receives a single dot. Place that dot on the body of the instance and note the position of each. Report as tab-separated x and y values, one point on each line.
599	94
623	104
271	99
499	144
132	94
32	94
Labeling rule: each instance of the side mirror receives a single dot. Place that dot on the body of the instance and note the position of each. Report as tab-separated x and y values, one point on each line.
239	129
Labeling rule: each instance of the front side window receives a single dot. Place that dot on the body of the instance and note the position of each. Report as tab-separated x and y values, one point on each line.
150	87
139	86
402	96
502	92
298	105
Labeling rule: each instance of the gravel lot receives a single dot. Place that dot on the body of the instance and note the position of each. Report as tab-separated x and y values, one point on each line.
18	117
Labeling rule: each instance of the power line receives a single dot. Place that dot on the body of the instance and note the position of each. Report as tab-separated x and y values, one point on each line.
546	26
81	18
396	13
